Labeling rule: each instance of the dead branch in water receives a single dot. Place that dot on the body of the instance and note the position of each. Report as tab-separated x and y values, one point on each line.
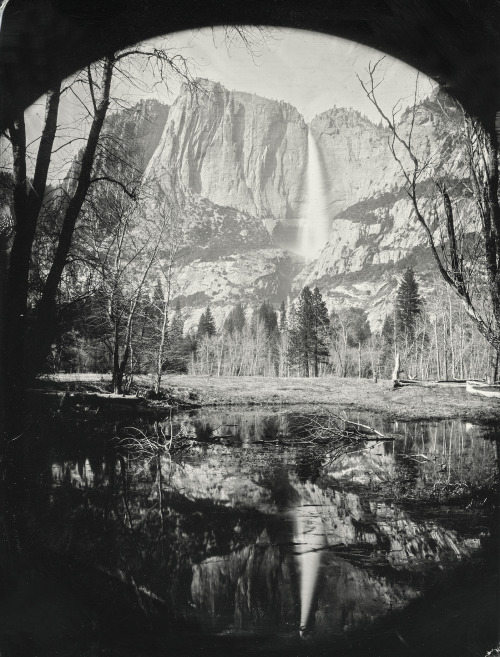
160	441
326	426
326	436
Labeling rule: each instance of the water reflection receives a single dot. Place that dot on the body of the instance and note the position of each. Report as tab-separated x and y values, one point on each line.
227	479
310	541
245	533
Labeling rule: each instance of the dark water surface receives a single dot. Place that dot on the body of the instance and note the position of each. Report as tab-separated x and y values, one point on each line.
255	540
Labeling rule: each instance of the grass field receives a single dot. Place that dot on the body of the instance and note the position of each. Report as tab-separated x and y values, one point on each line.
407	403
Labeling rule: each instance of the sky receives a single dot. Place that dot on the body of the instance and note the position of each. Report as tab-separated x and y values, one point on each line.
312	71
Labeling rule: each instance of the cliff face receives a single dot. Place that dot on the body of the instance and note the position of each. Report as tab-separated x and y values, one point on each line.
128	139
356	157
370	244
237	168
235	164
251	153
250	277
141	125
372	217
235	149
373	232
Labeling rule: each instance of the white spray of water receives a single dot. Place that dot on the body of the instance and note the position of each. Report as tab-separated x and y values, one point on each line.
316	224
310	540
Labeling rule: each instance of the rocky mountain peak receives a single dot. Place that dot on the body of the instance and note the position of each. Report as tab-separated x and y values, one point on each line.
235	149
239	163
338	118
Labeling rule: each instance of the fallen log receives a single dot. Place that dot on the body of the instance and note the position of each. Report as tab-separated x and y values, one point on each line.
90	400
401	383
454	383
484	390
100	400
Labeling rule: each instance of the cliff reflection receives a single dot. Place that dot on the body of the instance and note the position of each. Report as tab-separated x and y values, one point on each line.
245	534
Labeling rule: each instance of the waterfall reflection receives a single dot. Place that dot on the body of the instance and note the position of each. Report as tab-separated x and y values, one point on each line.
246	534
310	542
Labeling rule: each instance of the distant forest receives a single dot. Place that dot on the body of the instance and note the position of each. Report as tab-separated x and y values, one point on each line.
434	337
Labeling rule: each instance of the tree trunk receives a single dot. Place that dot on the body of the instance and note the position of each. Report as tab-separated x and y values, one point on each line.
306	365
438	365
116	378
3	377
445	349
120	370
27	203
495	360
161	347
46	318
395	371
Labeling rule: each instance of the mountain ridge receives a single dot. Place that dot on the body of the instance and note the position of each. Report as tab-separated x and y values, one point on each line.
212	143
237	163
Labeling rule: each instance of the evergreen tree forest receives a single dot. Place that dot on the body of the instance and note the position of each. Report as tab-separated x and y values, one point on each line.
128	330
434	337
301	338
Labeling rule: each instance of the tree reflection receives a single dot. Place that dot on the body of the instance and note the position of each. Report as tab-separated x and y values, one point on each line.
251	535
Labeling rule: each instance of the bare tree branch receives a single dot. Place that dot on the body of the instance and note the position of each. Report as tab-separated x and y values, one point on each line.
131	194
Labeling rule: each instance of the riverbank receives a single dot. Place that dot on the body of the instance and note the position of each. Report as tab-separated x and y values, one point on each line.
406	403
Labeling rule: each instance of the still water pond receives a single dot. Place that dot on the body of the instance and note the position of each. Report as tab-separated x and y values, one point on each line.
256	535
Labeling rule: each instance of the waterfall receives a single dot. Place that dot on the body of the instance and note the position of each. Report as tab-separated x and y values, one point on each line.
315	224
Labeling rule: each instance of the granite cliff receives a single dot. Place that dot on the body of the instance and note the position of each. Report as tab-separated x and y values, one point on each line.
234	155
238	168
235	149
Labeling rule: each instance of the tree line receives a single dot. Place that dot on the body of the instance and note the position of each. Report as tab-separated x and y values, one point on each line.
435	338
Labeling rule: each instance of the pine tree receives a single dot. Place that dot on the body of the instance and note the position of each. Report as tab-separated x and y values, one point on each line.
282	317
178	352
177	324
239	317
202	322
268	317
301	346
321	323
388	330
235	321
229	324
356	325
308	333
157	301
206	325
408	305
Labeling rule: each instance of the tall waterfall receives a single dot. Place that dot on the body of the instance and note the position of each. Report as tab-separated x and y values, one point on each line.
315	224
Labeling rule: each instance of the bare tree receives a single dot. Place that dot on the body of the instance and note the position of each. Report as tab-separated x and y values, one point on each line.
126	245
173	247
29	190
29	194
467	253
